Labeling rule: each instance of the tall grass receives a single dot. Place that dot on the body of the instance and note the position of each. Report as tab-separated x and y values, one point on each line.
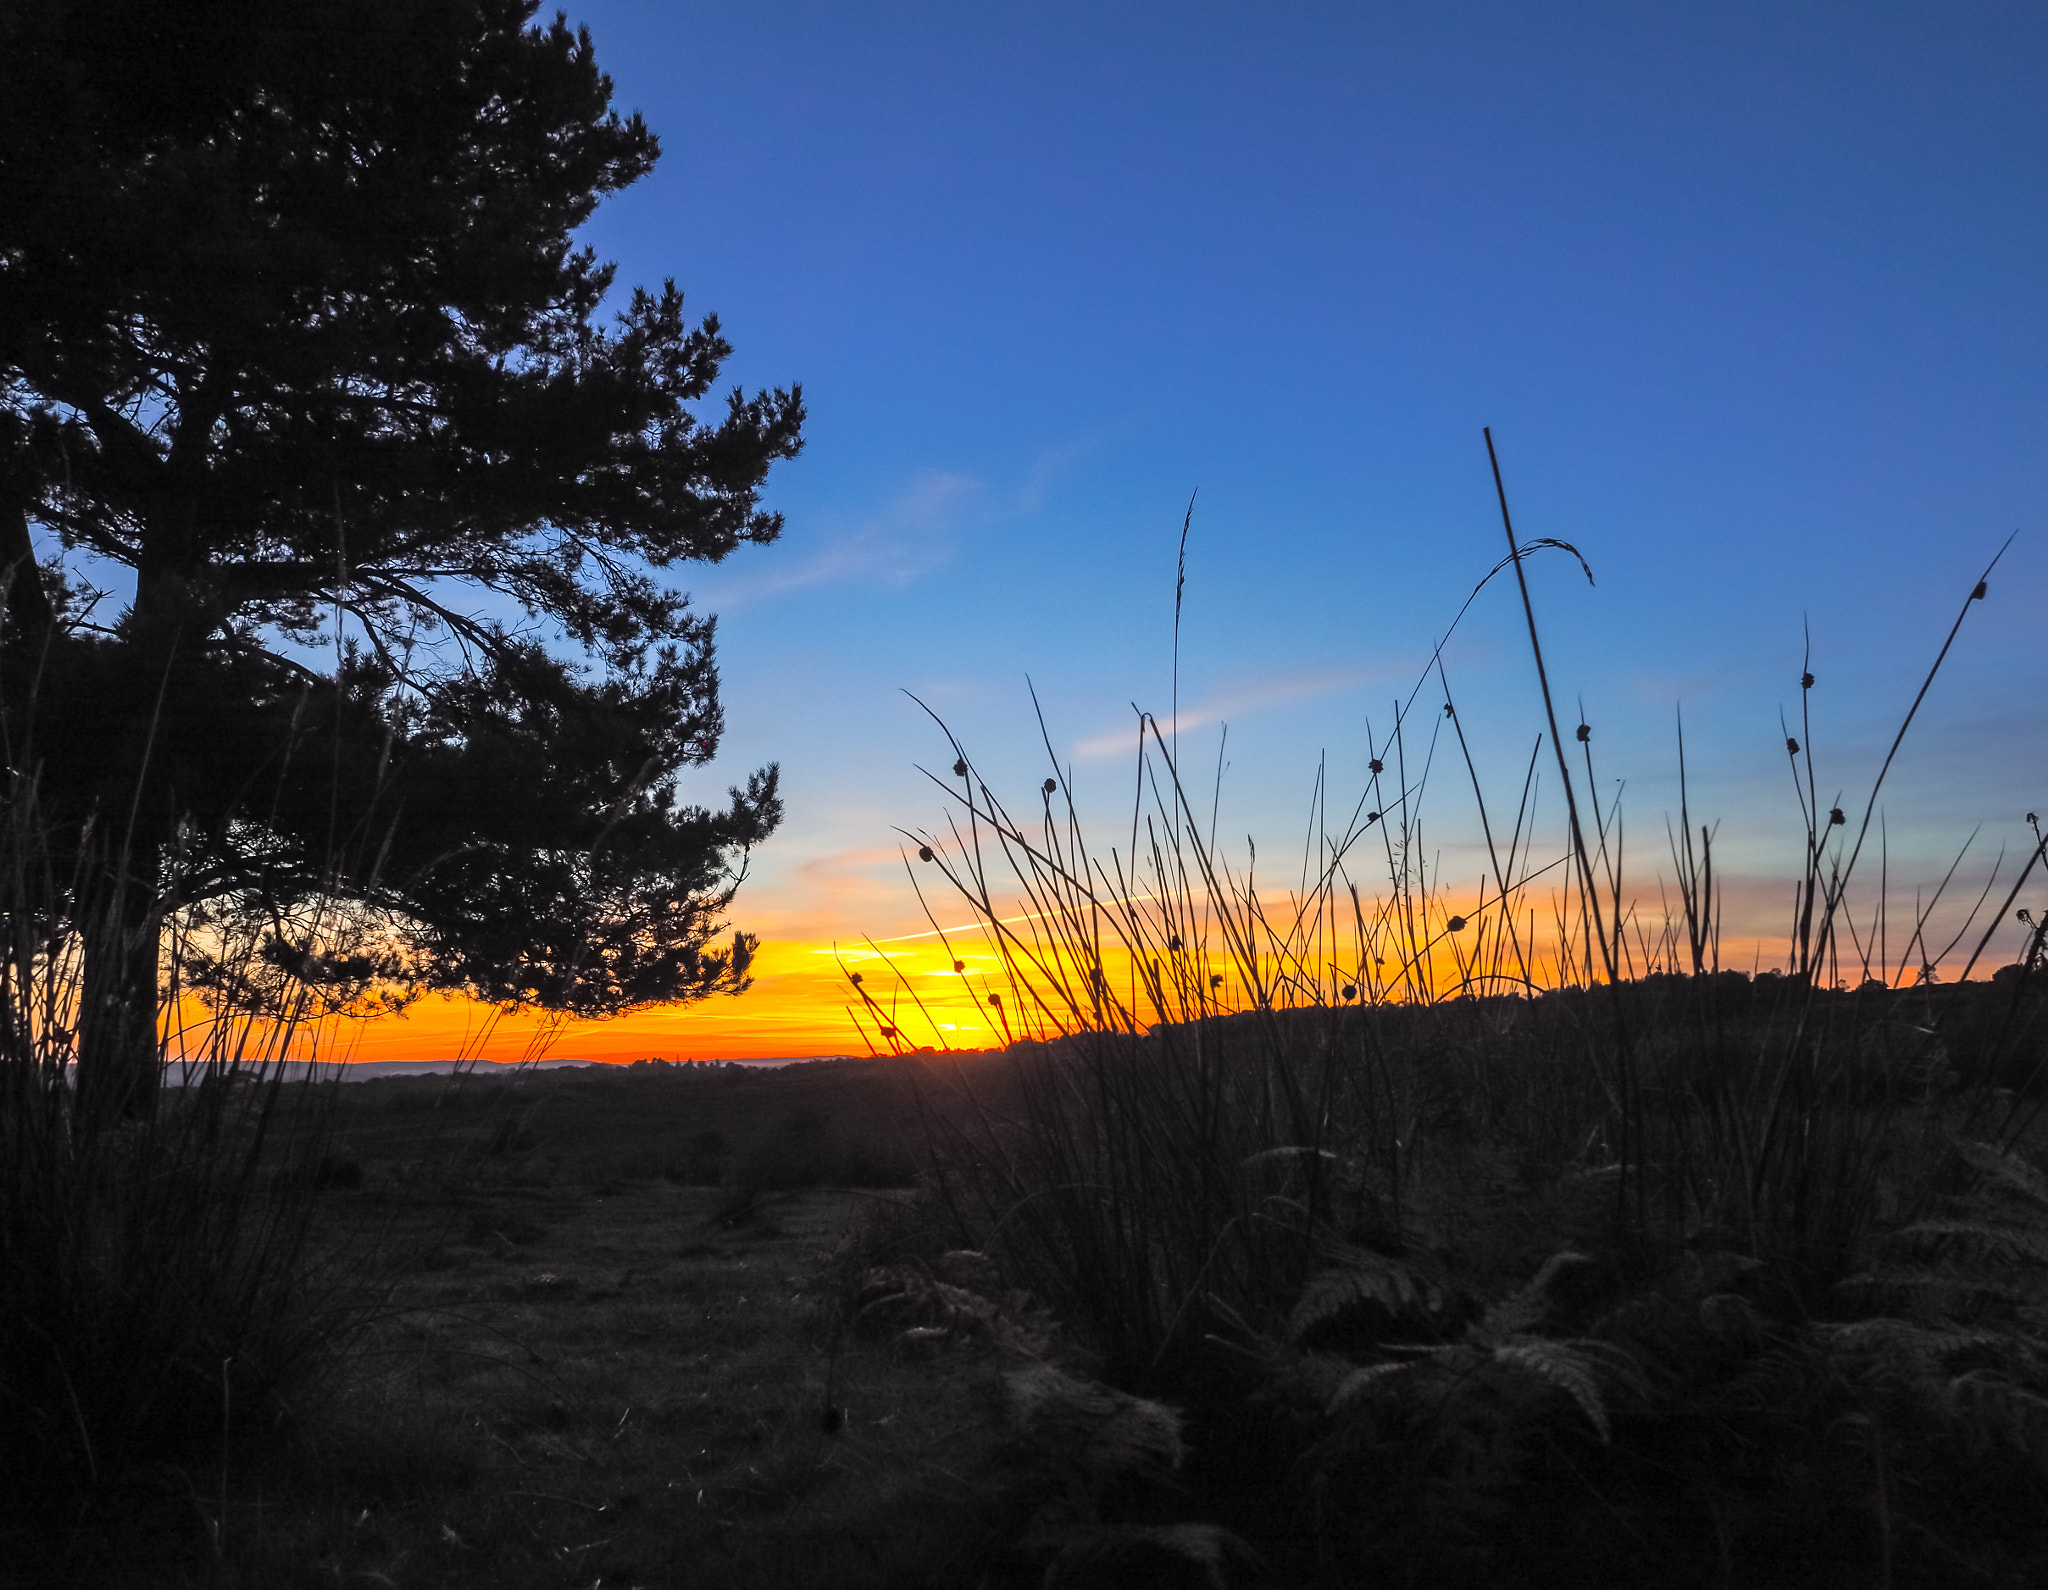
1311	1140
162	1290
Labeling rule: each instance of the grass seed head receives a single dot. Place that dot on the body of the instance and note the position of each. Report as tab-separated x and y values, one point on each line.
1806	681
924	852
1051	784
1585	732
1791	745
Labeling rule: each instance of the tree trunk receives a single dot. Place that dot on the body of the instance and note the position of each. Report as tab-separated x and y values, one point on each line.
28	605
119	1060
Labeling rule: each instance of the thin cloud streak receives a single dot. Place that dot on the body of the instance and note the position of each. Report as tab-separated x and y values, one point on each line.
1234	703
908	537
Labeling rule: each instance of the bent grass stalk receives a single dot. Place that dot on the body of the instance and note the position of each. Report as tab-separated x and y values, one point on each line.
1180	1025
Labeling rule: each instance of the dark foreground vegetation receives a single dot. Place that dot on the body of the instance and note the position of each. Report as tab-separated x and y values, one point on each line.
1079	1313
1360	1236
1419	1328
1443	1249
1342	1238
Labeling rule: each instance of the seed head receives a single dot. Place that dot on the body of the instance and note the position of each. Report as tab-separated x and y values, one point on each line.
1051	784
959	966
1978	594
924	852
1377	765
1173	943
1791	745
1456	924
888	1032
960	768
2033	821
854	977
2025	916
1835	817
1449	711
1371	818
1585	732
1806	681
1350	991
996	1000
1216	980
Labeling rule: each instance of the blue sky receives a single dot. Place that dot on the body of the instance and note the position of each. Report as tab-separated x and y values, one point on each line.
1752	297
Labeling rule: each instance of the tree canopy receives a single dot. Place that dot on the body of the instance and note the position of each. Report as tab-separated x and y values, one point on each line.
294	331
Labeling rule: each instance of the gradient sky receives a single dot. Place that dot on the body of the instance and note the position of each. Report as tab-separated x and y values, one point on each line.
1751	295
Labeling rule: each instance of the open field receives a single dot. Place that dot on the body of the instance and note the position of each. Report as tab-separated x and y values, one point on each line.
584	1368
620	1334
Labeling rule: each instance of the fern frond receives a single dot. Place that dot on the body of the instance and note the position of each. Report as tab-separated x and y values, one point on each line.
1524	1310
2005	1169
1617	1363
1903	1338
1992	1410
1732	1320
1359	1384
1936	1294
1404	1293
1993	1243
1098	1433
1304	1380
1556	1364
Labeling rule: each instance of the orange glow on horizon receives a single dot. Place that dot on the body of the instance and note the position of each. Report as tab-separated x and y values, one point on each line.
935	988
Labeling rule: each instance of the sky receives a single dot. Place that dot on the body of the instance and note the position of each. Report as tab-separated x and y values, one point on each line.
1751	297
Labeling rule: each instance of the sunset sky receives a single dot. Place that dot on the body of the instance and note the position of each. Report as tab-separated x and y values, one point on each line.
1752	297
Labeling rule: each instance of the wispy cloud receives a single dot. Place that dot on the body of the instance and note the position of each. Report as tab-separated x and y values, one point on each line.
908	536
1240	703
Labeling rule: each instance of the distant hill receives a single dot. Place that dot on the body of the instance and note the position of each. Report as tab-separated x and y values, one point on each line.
371	1070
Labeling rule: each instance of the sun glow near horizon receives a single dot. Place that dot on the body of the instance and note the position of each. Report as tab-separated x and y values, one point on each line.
952	987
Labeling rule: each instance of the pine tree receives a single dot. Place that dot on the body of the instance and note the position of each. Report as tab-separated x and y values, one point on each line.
294	332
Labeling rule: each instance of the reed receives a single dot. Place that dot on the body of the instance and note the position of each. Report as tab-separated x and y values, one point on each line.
168	1295
1303	1144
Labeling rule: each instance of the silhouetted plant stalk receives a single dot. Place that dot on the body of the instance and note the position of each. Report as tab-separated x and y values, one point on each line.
1220	1077
164	1290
